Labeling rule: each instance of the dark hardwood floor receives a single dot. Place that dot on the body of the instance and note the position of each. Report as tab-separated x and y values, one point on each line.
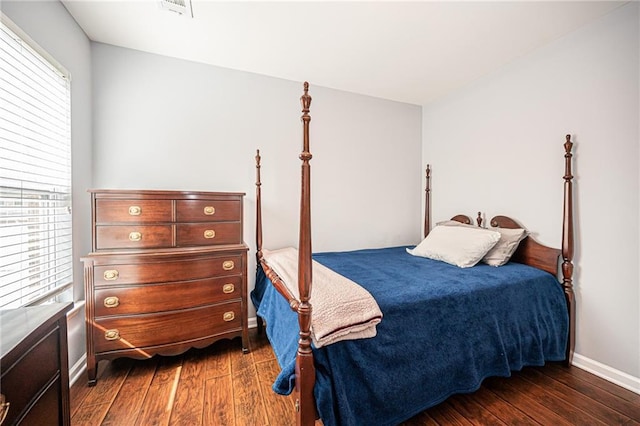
220	386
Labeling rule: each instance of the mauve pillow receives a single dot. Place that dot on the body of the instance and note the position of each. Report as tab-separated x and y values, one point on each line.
504	249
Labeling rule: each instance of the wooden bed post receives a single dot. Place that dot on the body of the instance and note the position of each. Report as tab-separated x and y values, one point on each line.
305	369
258	211
567	249
427	202
258	226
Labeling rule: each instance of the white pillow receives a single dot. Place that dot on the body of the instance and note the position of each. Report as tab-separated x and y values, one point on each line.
457	245
504	249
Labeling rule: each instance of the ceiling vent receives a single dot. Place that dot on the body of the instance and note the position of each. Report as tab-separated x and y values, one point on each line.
182	7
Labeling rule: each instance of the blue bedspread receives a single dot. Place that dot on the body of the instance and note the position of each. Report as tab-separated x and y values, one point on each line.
444	330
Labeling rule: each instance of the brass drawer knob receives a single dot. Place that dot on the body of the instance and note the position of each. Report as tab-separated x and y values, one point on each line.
111	275
209	233
228	316
209	210
135	236
135	210
113	334
4	408
111	302
228	265
228	288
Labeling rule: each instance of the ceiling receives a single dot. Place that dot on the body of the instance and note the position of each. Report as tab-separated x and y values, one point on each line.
412	52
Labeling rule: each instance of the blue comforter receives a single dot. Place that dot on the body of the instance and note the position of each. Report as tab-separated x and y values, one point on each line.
444	330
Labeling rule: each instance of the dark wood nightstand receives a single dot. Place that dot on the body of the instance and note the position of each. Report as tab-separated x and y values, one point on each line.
35	367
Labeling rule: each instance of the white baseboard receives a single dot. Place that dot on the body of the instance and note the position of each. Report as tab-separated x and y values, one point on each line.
252	323
610	374
77	370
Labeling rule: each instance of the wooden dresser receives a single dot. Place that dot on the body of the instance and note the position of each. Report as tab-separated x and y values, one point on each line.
35	366
167	272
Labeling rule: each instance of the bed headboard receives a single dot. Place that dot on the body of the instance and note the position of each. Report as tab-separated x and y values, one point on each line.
530	252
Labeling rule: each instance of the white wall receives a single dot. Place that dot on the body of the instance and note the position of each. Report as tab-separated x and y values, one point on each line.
163	123
50	26
496	146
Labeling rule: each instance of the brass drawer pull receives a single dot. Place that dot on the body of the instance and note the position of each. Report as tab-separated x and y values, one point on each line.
209	233
113	334
228	265
4	408
111	302
228	288
209	210
228	316
135	236
111	275
135	210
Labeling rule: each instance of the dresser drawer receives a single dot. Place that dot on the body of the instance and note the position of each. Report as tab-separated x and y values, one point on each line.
115	333
208	210
134	237
138	211
205	234
177	270
27	378
46	410
166	297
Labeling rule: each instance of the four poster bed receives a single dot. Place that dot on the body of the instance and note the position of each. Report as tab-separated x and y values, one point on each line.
440	328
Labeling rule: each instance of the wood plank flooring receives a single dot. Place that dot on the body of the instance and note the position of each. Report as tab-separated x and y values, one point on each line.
220	386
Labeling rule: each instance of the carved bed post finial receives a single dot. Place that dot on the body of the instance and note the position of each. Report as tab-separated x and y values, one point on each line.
567	247
479	219
427	202
305	155
305	369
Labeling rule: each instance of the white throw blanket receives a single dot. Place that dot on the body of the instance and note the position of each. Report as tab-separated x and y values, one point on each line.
341	309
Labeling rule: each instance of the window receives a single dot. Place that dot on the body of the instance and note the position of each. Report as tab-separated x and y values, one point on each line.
36	262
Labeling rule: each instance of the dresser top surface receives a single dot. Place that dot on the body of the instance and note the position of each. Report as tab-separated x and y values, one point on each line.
17	324
162	193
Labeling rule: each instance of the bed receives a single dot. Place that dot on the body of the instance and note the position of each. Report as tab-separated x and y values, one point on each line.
443	328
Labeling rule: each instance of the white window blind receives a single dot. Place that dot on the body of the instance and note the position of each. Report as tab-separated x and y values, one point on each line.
35	175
